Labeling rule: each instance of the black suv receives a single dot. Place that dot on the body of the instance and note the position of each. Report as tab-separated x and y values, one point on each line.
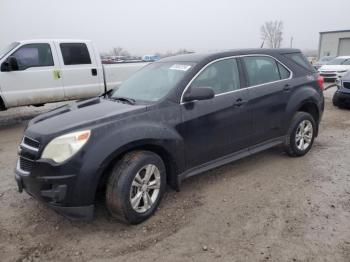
173	119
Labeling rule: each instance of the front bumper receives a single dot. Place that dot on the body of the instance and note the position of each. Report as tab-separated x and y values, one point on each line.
53	191
341	98
67	188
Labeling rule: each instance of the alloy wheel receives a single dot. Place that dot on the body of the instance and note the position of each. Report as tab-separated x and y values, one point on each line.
145	188
304	134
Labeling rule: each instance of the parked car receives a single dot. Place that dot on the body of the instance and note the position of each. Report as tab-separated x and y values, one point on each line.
150	58
323	61
171	120
35	72
341	97
336	68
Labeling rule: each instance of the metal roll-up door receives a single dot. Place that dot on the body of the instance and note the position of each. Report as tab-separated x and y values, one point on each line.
344	46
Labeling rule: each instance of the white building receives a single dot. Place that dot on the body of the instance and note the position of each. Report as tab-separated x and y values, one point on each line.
334	43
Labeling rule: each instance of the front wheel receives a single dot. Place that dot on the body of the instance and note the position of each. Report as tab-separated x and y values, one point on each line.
301	134
136	186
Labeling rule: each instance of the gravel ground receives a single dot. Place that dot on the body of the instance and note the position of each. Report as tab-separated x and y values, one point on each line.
267	207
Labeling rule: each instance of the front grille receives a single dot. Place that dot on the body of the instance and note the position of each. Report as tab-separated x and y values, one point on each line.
25	164
328	75
346	85
27	155
31	142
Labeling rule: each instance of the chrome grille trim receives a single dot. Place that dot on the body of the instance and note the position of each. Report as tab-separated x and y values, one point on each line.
30	144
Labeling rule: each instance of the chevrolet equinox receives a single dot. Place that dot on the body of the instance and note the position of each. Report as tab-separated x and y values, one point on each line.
172	119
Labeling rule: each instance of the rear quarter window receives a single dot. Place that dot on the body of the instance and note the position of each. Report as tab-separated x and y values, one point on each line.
301	60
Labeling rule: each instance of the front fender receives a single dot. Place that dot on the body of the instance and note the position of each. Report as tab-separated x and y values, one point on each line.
112	141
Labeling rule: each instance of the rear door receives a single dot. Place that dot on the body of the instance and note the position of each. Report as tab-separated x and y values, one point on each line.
219	126
36	81
270	87
81	75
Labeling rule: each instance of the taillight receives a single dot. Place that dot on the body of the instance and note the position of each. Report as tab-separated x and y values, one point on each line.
320	82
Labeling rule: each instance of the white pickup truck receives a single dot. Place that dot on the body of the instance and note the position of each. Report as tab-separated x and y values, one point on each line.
35	72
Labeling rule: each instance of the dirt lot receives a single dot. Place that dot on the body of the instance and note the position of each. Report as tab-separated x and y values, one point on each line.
268	207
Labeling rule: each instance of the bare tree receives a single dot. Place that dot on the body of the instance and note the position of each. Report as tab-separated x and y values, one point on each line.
120	51
272	32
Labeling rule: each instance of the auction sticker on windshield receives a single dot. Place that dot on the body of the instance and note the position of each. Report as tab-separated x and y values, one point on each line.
180	67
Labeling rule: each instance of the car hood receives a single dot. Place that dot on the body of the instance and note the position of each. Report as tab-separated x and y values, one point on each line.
79	115
335	67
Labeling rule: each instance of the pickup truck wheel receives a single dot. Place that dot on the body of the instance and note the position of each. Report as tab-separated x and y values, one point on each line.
136	186
2	105
300	135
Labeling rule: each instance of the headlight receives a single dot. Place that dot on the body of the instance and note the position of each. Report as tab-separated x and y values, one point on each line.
342	71
63	147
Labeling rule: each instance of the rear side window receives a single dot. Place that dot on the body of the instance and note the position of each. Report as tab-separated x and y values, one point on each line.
261	70
75	54
221	76
284	72
33	55
300	60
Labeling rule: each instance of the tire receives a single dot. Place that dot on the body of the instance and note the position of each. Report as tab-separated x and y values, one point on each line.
296	134
127	182
335	100
2	105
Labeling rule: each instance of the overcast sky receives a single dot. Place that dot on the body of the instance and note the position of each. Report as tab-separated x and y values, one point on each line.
160	25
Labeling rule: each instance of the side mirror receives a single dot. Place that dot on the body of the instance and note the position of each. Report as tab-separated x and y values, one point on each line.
13	64
10	64
199	93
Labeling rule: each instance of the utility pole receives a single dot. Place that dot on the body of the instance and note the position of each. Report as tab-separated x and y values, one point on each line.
291	42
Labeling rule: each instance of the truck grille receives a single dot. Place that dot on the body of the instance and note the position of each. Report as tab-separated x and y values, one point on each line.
25	164
346	85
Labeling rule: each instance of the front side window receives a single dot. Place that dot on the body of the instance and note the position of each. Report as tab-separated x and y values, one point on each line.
154	81
33	55
221	76
75	54
261	70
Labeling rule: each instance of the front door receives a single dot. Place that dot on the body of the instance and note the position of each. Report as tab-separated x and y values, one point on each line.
36	81
219	126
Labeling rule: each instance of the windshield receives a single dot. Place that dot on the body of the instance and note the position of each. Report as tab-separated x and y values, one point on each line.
327	58
153	82
338	61
7	49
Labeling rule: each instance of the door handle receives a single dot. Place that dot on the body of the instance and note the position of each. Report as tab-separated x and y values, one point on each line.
94	71
239	102
287	88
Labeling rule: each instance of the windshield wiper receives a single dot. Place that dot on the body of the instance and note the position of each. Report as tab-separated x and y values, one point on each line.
124	99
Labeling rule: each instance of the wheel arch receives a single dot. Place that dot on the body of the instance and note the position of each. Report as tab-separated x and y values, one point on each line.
311	107
168	158
305	99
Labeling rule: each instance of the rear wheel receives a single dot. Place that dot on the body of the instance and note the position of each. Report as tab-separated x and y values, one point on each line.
136	186
301	134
